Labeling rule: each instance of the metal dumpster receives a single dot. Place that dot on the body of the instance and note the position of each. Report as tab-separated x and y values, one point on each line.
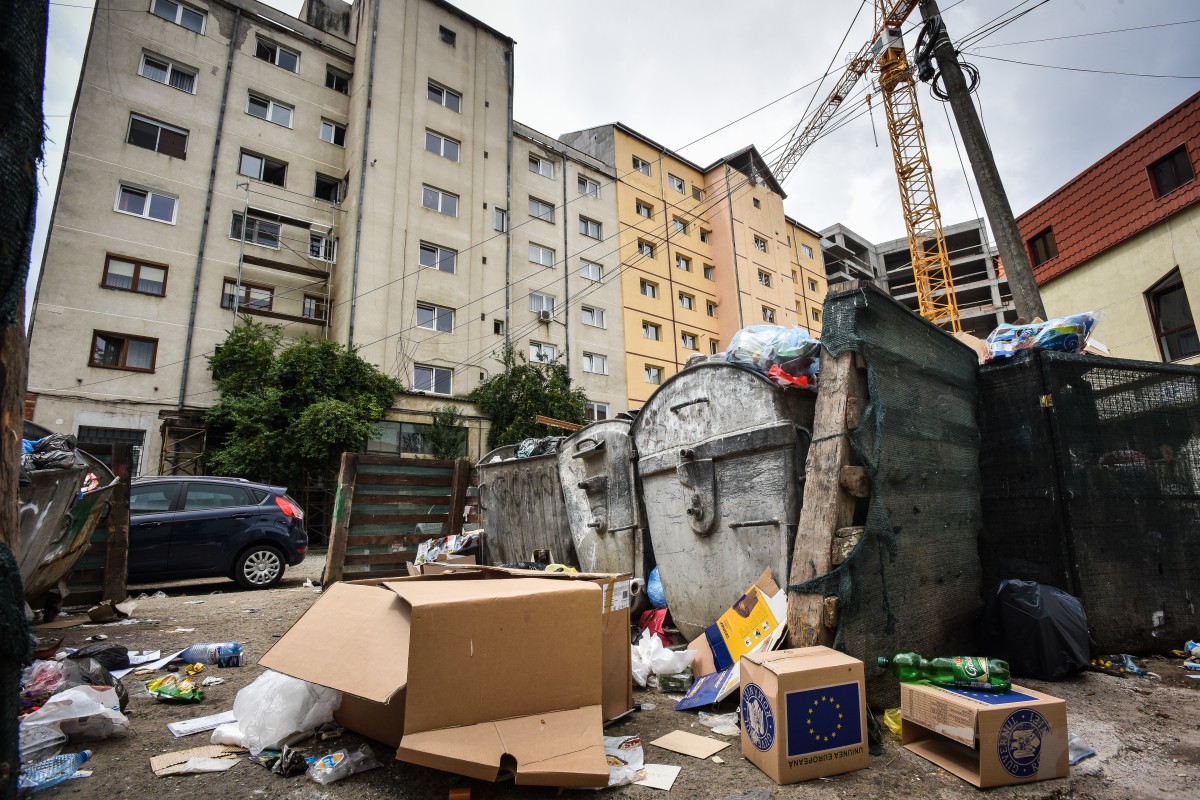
595	466
522	506
721	452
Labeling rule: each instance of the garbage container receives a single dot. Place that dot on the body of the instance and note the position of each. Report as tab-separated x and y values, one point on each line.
721	452
521	503
595	466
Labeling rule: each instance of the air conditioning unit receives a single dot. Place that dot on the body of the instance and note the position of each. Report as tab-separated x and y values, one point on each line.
545	315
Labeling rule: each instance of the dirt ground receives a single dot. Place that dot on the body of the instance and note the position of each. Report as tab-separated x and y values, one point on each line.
1146	732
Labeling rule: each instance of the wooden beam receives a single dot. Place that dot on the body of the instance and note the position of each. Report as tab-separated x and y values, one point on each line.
458	496
340	527
116	529
556	423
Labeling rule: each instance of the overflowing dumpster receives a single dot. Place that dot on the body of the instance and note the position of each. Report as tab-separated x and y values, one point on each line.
521	503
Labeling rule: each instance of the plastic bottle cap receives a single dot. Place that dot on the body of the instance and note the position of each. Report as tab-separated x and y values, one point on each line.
881	661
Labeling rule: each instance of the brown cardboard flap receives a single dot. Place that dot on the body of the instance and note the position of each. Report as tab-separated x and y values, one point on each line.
563	748
951	756
340	643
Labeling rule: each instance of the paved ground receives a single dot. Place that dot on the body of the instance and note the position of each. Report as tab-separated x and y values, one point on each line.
1146	732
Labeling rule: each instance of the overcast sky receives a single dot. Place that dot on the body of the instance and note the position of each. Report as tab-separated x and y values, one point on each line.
677	71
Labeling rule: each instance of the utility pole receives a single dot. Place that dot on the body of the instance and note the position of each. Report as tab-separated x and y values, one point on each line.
995	201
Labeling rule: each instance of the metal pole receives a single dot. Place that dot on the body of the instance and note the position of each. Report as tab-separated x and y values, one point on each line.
1026	295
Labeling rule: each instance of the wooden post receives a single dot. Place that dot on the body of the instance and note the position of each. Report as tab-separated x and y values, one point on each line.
339	529
116	527
458	496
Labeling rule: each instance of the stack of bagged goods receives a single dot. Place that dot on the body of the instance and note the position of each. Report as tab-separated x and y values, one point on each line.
788	356
56	451
1063	335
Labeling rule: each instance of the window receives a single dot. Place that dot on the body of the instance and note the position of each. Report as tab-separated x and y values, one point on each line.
314	307
712	347
1171	172
152	498
679	225
212	496
252	296
808	251
757	203
768	314
812	285
651	331
439	258
1171	315
118	351
643	209
597	411
541	302
445	97
710	308
595	363
592	316
146	203
334	133
760	244
541	166
541	209
764	278
446	35
439	201
687	301
676	183
591	270
436	380
589	228
337	80
435	318
705	236
279	56
645	248
132	275
180	14
322	248
157	136
498	327
588	186
688	341
258	231
816	315
709	272
654	374
268	109
541	255
167	72
1042	247
261	168
440	145
697	194
798	307
500	220
683	262
641	166
649	289
539	351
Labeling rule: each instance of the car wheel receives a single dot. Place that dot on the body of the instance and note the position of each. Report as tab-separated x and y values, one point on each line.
260	567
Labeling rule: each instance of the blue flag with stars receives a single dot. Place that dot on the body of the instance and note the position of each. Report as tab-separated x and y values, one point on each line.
823	719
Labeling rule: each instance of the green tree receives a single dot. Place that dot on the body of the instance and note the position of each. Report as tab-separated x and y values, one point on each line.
447	435
287	412
514	397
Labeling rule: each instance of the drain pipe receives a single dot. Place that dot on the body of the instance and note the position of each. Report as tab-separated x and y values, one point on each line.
509	57
362	177
208	201
566	272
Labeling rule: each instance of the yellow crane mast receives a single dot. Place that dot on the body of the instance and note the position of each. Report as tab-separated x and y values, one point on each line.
922	219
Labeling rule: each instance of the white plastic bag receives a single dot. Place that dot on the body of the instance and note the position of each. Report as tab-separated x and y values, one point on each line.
341	764
83	713
276	707
649	655
229	734
625	759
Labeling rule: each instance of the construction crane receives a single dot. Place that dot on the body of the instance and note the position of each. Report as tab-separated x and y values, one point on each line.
922	220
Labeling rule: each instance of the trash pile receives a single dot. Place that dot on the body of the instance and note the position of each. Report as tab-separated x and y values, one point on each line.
788	356
56	451
1064	335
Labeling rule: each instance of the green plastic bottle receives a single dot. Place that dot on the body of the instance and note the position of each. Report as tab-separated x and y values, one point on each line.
961	672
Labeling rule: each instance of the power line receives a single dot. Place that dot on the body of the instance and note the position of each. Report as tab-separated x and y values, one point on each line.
1092	71
1093	33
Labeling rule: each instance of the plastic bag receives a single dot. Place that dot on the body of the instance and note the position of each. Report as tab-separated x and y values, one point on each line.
625	759
229	734
110	656
341	764
83	713
172	689
276	707
721	724
654	590
893	720
44	679
547	445
1039	630
761	347
649	655
39	742
1077	749
1063	334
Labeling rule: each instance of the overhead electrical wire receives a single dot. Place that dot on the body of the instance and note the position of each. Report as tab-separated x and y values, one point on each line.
1093	71
1092	33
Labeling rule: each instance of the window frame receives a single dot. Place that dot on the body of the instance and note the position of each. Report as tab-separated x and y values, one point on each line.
171	67
552	349
807	251
149	193
544	211
760	244
541	302
500	219
447	36
538	165
1037	245
1172	282
710	308
651	285
595	409
271	106
584	264
179	15
816	315
599	319
584	182
326	247
442	194
245	303
684	336
126	338
332	74
682	262
1170	159
543	251
638	206
335	128
651	327
768	315
672	180
705	236
319	303
764	278
442	141
687	301
592	359
263	43
439	313
257	221
645	248
445	92
710	272
161	126
649	371
641	165
679	225
433	379
266	161
439	257
585	228
135	280
697	194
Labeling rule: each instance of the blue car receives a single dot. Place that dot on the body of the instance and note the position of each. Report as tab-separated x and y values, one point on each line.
201	527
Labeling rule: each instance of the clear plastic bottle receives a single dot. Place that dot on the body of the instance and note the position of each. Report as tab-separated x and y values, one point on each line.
223	654
50	772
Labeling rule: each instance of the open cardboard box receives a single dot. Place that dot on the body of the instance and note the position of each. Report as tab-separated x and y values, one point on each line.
468	676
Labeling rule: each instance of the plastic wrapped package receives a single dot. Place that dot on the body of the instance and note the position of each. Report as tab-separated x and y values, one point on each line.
792	350
44	679
1041	631
277	707
626	760
341	764
1063	334
83	713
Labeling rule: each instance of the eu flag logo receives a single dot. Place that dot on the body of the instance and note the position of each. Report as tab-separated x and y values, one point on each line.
823	719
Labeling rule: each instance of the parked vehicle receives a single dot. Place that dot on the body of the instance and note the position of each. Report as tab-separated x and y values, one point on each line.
200	527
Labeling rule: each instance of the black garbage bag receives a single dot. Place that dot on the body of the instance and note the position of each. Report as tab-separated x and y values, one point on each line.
91	672
110	656
1039	630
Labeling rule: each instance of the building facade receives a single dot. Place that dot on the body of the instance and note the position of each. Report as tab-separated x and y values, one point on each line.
1121	238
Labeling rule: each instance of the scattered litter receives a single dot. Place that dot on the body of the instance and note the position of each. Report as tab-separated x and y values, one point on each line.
159	595
275	707
676	681
690	744
50	772
187	727
1121	664
148	666
757	793
169	688
647	706
286	762
1078	748
212	680
1192	665
717	760
249	610
82	773
625	759
222	654
206	758
659	776
308	584
183	630
330	730
891	718
40	742
110	656
108	611
193	602
721	724
62	622
83	713
649	655
99	637
194	669
342	764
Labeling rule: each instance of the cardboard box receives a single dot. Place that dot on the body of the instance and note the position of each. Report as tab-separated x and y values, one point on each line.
804	713
984	738
465	676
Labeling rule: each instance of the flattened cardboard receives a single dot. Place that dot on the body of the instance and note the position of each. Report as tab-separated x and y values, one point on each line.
690	744
164	761
804	713
987	739
439	566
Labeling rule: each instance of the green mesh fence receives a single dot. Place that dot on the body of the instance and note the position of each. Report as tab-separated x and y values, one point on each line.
913	582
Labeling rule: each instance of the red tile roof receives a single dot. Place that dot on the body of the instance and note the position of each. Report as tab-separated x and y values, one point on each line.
1113	199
